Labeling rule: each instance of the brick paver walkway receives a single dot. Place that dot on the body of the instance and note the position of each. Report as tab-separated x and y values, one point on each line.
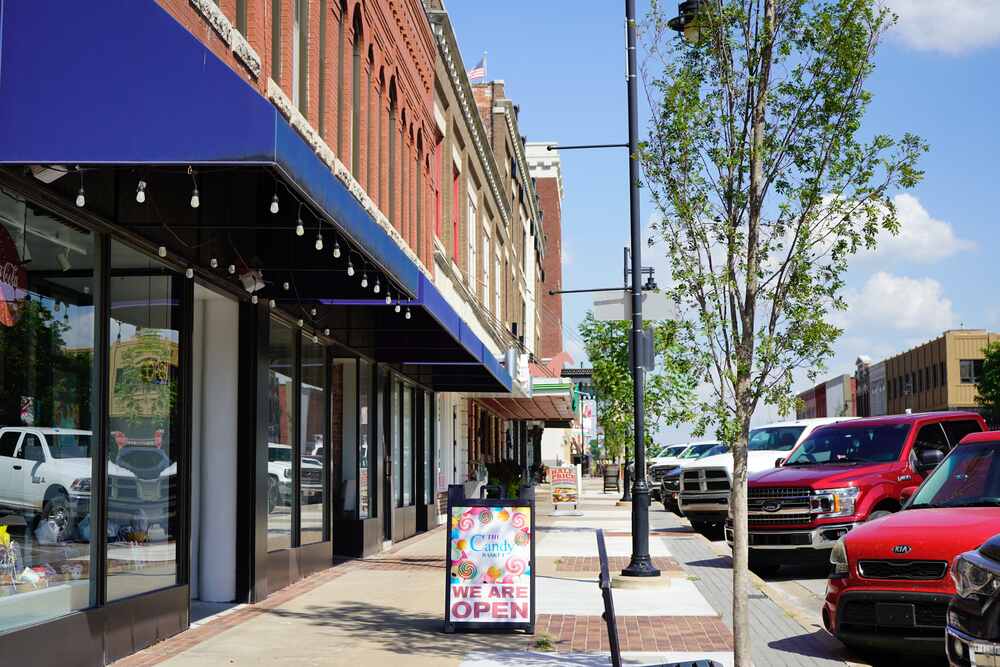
653	634
615	564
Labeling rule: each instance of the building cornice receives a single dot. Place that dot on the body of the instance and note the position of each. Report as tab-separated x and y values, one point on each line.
230	36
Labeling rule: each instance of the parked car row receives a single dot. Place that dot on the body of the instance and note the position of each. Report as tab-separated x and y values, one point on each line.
905	509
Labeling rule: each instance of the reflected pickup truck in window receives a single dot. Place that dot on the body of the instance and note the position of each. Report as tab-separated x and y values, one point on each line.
842	475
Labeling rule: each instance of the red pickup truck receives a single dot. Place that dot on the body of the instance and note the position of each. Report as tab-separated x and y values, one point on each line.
840	476
890	587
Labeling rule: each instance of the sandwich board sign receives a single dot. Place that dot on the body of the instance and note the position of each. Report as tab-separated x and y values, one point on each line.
564	486
490	573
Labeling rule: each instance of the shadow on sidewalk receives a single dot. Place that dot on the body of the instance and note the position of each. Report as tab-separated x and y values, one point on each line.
397	631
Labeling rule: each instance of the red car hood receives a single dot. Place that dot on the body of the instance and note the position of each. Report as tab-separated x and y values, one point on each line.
931	534
818	476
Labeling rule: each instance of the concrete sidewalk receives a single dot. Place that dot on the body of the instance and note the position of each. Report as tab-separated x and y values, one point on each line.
390	609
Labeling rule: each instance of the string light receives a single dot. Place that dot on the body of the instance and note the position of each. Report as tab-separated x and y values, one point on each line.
378	286
274	203
232	269
326	332
140	192
350	268
189	273
302	322
214	263
272	303
388	298
300	229
407	313
162	251
397	308
364	279
286	286
319	240
315	338
336	249
81	198
254	299
313	312
195	199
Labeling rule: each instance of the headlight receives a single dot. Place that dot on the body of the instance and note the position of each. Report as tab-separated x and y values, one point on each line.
834	502
287	473
838	559
973	581
81	485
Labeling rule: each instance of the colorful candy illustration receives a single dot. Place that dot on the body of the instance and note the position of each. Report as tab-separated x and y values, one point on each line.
522	538
503	515
519	520
466	570
516	566
466	524
485	517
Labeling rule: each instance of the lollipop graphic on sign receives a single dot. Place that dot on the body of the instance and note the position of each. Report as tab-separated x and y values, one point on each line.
466	570
519	520
485	517
522	538
465	524
516	566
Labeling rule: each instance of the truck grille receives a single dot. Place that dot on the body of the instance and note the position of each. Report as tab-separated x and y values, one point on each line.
657	474
702	480
776	492
778	505
781	519
913	570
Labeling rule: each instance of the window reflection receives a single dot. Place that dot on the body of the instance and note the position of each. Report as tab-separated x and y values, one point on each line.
46	376
280	434
366	451
344	436
407	445
313	408
142	524
397	455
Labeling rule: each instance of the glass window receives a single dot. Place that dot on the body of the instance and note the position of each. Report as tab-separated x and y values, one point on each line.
857	444
366	450
428	449
397	453
46	376
345	436
957	430
969	370
777	438
407	445
280	435
143	419
969	477
312	445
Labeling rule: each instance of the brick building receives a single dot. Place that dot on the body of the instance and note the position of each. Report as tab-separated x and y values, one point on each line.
546	171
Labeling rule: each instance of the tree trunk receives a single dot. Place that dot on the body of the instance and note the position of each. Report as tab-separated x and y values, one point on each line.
741	565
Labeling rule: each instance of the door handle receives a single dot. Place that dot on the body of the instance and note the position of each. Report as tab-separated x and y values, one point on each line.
17	467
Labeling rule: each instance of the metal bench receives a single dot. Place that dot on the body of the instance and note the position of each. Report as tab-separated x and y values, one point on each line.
612	622
611	473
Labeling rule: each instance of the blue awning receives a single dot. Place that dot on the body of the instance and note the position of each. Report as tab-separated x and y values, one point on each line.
121	82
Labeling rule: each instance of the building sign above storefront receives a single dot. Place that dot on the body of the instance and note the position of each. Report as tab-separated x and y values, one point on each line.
490	575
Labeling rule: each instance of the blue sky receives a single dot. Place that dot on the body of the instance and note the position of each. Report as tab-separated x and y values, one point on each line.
564	64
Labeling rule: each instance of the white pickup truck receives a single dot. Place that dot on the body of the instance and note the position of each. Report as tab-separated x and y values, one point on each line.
705	487
279	476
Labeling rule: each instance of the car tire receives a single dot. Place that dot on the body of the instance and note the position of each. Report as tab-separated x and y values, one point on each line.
706	528
58	509
273	493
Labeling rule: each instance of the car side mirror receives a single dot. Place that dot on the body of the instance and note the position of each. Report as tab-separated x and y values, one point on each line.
779	462
906	494
929	458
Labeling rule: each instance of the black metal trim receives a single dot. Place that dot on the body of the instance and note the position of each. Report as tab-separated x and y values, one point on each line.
185	427
102	388
296	499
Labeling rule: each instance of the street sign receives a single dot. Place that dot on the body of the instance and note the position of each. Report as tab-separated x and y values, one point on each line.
655	306
490	573
647	350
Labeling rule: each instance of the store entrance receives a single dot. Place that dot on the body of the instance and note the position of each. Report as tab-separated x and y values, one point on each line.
214	451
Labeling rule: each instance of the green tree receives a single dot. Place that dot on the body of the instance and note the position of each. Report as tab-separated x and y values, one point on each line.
766	186
988	385
668	390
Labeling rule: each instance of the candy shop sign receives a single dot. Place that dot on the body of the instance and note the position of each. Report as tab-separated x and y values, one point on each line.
490	557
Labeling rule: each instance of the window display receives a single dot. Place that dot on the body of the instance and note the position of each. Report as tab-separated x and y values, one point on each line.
46	376
280	435
144	407
366	450
313	445
428	464
407	445
397	450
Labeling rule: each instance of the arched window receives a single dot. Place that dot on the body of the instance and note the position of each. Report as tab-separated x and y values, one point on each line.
392	151
356	96
380	112
420	195
340	78
404	181
369	115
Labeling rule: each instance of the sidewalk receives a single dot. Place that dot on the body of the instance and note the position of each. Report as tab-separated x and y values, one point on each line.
389	609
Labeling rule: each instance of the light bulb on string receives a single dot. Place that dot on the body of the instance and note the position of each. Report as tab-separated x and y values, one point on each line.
336	249
313	312
319	241
286	286
364	279
272	303
388	298
162	251
378	286
231	269
195	199
254	299
214	263
300	229
189	273
350	268
140	192
274	203
326	332
398	307
81	198
315	338
302	322
407	313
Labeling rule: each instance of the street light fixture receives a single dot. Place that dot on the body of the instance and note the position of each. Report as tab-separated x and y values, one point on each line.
689	19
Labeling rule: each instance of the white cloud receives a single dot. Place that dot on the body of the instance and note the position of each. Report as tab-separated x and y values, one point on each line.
899	303
948	26
922	238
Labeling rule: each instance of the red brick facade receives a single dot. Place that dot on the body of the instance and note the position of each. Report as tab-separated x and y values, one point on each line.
393	65
550	341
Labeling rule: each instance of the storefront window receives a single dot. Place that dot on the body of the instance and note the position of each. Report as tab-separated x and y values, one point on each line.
313	443
428	449
144	401
407	445
46	375
366	452
397	449
345	436
280	435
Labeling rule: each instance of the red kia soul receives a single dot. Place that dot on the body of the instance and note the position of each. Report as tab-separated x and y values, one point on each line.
890	586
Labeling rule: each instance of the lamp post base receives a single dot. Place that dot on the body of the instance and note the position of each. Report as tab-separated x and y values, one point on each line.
641	564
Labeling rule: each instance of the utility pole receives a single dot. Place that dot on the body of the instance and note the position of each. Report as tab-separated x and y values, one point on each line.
641	565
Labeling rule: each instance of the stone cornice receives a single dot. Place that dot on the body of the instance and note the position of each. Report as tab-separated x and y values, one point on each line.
232	37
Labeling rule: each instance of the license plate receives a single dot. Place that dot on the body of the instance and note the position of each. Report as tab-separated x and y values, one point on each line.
894	615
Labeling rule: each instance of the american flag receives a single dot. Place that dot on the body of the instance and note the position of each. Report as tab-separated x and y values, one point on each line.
479	71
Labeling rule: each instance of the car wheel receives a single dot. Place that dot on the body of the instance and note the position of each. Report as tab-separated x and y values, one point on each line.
57	510
706	528
273	494
763	568
878	515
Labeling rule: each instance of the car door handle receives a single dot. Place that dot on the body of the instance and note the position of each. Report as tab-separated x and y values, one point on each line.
17	467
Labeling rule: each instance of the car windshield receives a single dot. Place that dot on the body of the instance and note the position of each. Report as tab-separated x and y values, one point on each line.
279	454
69	445
969	477
672	451
697	451
774	438
851	444
716	449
